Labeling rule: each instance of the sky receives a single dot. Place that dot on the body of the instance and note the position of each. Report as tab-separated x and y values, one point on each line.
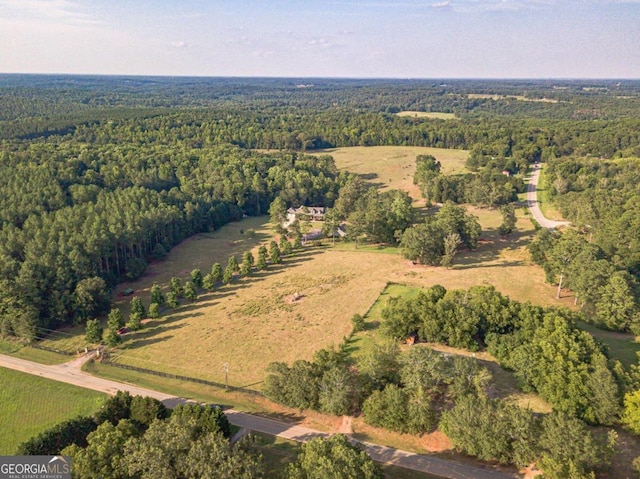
323	38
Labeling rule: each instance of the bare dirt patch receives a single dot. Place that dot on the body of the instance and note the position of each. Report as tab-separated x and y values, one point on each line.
436	441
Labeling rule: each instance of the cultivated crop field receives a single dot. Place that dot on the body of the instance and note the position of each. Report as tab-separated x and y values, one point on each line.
30	404
393	166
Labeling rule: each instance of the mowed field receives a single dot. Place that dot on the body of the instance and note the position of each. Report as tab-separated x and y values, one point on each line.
30	404
393	167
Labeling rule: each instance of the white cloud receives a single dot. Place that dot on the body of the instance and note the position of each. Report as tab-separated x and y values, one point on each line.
50	11
179	44
497	5
441	5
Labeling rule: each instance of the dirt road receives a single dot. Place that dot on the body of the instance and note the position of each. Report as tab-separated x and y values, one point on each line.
71	373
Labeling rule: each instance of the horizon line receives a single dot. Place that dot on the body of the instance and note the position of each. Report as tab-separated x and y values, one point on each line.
320	77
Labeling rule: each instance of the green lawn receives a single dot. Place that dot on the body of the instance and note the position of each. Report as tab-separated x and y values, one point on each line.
32	354
362	342
30	404
621	346
393	167
184	389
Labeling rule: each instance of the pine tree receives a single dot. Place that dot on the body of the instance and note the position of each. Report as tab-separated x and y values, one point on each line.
190	291
227	277
172	300
154	311
115	320
94	331
233	264
135	321
208	282
285	246
137	307
216	272
176	287
274	253
156	295
262	259
112	338
196	277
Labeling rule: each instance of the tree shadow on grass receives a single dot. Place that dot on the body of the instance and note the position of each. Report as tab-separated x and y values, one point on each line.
248	386
490	251
290	417
371	325
150	332
514	240
140	343
477	265
196	305
178	316
472	259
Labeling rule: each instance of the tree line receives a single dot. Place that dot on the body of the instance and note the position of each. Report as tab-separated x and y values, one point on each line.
100	216
543	347
138	437
185	290
607	292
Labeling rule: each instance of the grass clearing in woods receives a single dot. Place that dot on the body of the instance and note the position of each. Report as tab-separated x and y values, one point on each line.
428	114
393	167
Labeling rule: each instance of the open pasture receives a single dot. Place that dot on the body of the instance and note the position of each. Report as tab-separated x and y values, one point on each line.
428	114
510	97
255	320
200	251
30	404
393	167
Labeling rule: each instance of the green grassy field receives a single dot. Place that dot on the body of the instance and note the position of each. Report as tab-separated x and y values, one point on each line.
428	114
394	166
511	97
32	354
621	346
30	404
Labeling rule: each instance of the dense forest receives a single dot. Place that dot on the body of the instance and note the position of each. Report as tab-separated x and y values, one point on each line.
99	175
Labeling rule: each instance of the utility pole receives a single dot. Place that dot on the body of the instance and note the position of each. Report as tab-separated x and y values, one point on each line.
225	366
559	287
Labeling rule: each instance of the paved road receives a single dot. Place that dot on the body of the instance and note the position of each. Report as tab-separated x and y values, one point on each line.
532	201
72	374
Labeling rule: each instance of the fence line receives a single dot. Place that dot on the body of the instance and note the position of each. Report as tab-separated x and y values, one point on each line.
53	350
106	360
